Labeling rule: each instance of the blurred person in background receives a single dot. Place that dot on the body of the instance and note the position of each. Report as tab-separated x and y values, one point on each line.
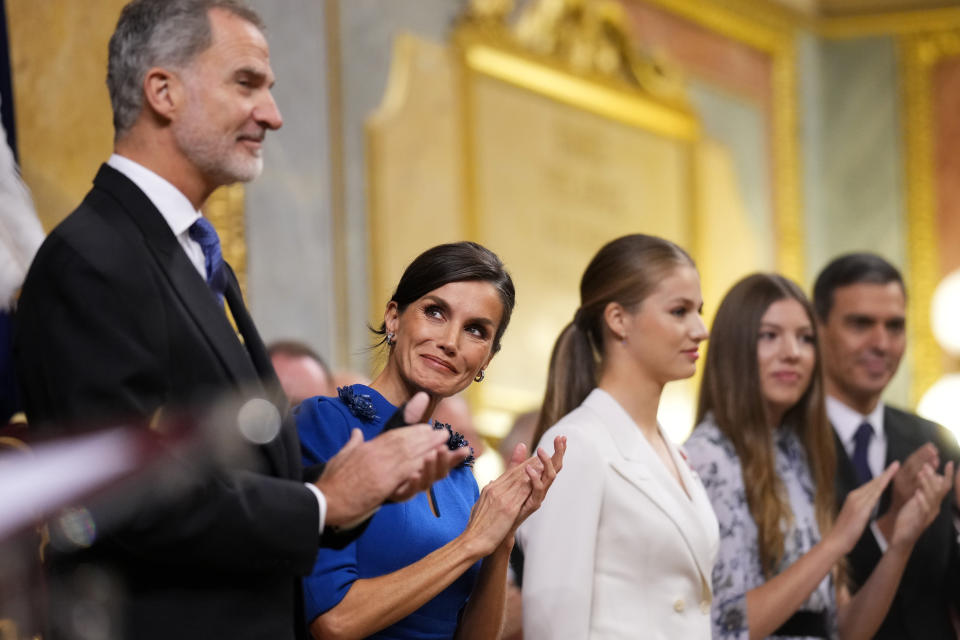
302	372
522	431
346	377
860	303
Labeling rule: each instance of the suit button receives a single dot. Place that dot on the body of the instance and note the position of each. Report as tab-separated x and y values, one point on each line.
705	607
678	606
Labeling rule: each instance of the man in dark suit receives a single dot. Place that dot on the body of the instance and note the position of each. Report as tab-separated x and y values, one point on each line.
860	301
122	318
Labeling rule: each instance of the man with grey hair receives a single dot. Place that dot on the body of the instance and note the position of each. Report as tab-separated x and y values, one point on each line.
122	319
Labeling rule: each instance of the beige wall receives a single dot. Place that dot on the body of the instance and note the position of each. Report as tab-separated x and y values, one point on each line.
59	59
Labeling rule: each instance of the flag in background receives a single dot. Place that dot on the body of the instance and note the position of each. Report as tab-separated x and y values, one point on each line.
20	230
6	90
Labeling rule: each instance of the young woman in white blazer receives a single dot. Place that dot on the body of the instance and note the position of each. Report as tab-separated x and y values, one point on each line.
624	545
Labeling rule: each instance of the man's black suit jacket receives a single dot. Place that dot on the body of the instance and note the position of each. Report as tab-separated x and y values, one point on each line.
115	322
931	581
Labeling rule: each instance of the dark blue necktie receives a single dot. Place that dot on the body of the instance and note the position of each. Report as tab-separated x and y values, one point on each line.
861	441
203	233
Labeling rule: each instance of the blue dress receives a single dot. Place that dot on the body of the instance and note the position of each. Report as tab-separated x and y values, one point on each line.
399	534
738	568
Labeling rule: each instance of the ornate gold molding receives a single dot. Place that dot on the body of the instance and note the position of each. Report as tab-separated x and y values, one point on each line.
889	23
338	188
579	53
772	34
899	22
919	54
589	94
565	53
772	14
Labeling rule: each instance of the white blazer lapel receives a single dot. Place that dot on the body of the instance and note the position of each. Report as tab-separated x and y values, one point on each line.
640	465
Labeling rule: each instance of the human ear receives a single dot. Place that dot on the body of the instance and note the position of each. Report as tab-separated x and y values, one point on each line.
391	317
162	92
615	319
486	362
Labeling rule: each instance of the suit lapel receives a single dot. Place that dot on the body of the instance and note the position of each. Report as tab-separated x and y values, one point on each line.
284	451
900	444
181	274
640	465
248	367
846	480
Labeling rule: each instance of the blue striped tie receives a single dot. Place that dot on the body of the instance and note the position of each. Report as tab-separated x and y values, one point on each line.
203	233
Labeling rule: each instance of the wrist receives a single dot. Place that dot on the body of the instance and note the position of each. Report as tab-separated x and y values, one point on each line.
901	546
885	524
340	513
471	547
835	545
506	546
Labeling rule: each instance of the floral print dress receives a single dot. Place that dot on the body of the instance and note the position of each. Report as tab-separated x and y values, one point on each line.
738	568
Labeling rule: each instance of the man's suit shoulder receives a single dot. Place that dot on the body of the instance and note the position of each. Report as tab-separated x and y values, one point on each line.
908	426
87	233
900	416
91	246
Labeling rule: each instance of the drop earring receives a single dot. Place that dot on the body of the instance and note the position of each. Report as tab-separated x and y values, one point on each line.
391	338
479	377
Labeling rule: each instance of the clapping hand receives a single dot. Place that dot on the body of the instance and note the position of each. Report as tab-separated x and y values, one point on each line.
907	481
921	509
542	470
436	463
507	501
395	465
857	508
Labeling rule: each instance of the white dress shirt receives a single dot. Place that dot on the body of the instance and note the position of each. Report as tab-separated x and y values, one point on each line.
845	422
180	215
170	202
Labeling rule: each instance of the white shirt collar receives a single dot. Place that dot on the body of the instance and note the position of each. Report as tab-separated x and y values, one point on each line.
169	201
846	420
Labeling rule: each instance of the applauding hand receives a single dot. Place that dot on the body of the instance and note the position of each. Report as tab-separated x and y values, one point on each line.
507	501
395	465
857	509
921	509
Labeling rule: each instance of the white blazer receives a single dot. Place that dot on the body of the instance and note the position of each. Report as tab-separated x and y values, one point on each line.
618	549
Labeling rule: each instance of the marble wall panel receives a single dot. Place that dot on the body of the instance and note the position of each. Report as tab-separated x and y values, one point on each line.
290	267
853	164
730	86
367	30
859	170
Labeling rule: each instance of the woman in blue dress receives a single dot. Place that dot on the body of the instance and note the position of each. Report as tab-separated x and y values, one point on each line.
765	453
434	566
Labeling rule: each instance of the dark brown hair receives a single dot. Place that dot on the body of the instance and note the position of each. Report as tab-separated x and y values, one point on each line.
624	271
455	262
731	391
848	269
